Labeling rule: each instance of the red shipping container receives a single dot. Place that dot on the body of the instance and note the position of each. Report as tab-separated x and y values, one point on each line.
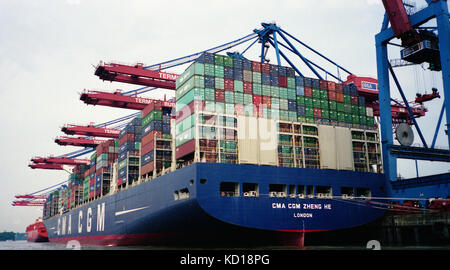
147	168
331	95
308	91
265	68
147	148
158	105
129	137
185	149
248	86
267	101
150	107
354	100
256	66
92	181
228	84
119	181
317	112
257	99
282	81
150	136
239	109
220	95
323	84
257	111
339	88
339	97
331	86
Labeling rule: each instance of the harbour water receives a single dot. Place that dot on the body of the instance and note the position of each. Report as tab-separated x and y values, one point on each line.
25	245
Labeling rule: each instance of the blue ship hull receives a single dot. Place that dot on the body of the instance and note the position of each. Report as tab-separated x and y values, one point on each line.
150	213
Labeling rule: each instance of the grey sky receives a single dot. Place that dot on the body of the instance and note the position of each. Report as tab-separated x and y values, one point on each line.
47	49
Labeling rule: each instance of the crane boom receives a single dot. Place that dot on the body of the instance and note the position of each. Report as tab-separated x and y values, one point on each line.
46	166
136	74
80	141
119	101
90	130
61	161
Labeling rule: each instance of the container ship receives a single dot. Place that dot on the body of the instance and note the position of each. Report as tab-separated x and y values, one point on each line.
36	232
248	154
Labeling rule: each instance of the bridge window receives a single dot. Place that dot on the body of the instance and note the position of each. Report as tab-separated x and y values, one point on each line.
363	193
250	189
277	190
301	192
324	192
310	191
347	193
229	189
292	193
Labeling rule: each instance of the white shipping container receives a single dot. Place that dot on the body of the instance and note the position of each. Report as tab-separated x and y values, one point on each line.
369	112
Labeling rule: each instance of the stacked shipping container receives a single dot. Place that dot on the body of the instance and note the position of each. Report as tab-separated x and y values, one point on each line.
156	151
225	85
129	148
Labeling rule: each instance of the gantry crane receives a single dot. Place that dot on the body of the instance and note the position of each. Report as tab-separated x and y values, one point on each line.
420	43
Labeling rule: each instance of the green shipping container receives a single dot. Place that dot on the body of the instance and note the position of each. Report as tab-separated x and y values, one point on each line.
355	119
325	114
316	102
256	77
265	90
309	112
347	99
210	94
283	93
275	103
227	61
362	110
348	118
194	82
257	89
284	105
218	59
238	86
275	91
333	115
291	94
292	116
362	119
290	82
323	94
355	109
332	105
324	104
218	71
229	97
219	83
347	108
316	93
220	107
210	106
248	109
308	102
341	116
238	98
370	121
209	69
194	69
248	99
229	108
300	100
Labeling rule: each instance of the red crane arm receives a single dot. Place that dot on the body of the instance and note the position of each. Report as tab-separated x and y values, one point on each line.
61	160
80	141
46	166
91	131
31	196
119	101
136	75
398	17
